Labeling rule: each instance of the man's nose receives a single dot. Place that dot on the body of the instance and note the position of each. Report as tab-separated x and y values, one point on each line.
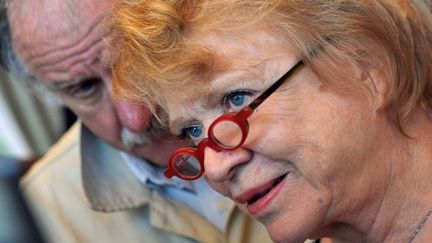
134	117
224	165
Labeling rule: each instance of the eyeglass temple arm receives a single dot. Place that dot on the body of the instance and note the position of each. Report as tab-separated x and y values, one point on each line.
274	86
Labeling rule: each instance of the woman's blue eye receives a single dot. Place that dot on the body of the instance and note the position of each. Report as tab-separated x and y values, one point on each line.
194	132
237	99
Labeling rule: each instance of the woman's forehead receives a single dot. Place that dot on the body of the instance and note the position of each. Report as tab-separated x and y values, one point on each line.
240	55
232	46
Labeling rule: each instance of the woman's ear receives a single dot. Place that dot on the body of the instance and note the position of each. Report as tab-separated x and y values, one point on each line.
379	86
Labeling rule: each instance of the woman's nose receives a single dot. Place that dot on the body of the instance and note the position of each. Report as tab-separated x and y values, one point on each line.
224	165
134	117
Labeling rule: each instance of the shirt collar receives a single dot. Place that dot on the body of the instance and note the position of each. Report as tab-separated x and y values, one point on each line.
108	182
148	173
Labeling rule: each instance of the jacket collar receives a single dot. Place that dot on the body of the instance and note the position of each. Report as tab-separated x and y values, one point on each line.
108	182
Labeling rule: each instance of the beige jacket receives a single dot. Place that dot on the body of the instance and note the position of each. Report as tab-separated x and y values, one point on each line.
91	196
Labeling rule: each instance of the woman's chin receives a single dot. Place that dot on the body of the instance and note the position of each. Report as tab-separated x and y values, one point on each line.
279	233
286	231
283	237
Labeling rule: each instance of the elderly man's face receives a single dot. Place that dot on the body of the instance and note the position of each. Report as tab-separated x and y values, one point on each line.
309	148
62	45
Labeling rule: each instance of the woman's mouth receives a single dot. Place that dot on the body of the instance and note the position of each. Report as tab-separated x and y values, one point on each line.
258	198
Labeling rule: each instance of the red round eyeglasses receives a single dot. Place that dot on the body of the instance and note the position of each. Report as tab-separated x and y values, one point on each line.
227	132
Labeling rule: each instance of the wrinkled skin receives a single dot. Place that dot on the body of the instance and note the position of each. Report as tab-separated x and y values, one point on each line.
67	56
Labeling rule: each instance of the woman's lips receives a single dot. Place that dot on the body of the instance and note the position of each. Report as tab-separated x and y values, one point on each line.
258	198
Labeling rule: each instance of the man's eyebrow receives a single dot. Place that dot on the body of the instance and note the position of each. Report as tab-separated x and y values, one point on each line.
62	85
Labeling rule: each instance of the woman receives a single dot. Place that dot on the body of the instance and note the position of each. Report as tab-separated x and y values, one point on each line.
314	116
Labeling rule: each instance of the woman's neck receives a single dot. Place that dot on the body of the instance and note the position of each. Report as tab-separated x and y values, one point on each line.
407	198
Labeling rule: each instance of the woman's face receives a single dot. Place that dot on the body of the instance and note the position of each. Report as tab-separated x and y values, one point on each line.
302	166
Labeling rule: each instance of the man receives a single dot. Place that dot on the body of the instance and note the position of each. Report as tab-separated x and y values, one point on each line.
94	184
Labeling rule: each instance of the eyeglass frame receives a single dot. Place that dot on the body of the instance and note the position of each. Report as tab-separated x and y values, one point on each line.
239	118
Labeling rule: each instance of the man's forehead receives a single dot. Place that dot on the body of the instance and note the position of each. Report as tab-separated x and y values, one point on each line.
58	38
44	23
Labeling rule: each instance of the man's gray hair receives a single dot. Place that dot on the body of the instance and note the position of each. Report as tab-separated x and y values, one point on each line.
10	62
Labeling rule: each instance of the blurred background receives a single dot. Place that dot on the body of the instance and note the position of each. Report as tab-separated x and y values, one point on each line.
28	128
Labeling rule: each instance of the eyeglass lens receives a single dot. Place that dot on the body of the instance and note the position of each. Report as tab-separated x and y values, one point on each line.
187	165
227	134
